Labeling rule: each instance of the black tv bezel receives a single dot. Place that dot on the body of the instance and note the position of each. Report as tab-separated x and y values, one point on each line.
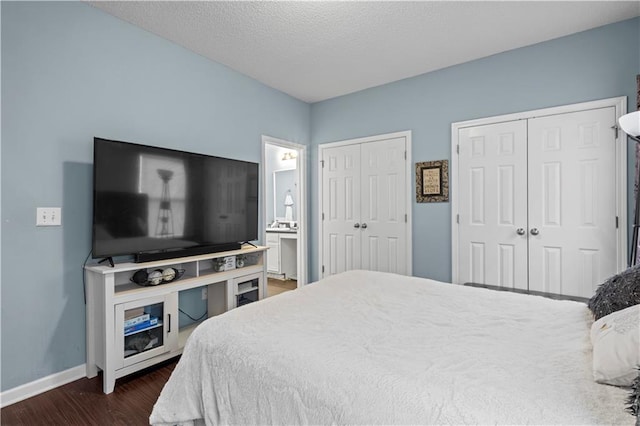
168	253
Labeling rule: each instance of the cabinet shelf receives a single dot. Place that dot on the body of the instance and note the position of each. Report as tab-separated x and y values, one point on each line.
132	266
150	327
111	294
131	291
246	290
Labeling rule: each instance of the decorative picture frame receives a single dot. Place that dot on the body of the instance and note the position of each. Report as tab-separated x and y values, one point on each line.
432	181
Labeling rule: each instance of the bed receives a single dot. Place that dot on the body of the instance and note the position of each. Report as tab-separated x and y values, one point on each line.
375	348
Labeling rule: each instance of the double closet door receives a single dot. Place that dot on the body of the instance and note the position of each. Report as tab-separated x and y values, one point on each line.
364	207
538	202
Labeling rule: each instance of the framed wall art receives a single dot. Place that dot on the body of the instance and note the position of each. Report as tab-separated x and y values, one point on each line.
432	181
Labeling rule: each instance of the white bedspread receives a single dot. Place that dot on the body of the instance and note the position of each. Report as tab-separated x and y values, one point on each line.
374	348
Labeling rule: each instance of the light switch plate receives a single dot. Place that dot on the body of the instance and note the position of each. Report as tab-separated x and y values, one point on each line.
48	216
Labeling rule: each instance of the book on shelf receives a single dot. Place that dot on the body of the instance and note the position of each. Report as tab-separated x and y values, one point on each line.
153	321
136	320
132	313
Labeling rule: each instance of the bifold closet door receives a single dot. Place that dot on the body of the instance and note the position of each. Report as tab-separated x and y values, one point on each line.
364	217
572	201
493	204
538	202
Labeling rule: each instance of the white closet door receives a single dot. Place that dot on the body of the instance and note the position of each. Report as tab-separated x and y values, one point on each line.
493	204
341	209
383	224
572	207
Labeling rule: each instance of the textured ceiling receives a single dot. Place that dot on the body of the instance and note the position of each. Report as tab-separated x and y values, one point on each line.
316	50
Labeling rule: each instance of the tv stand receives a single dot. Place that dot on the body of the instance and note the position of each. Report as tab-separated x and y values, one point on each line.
248	242
115	307
108	259
150	256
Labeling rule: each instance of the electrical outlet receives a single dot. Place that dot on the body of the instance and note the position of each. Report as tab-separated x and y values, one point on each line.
48	216
204	293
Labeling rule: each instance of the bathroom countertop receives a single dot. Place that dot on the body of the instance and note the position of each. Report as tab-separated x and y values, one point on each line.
284	230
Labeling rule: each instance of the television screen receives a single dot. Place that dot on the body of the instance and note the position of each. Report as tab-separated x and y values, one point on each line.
148	199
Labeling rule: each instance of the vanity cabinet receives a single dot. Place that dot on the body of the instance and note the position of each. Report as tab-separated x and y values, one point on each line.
283	253
273	254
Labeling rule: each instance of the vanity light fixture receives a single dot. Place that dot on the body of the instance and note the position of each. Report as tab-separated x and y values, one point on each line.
289	155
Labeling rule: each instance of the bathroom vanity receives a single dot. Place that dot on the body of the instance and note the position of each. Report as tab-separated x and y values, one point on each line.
282	253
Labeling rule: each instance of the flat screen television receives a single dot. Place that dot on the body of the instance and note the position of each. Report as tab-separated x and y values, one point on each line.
156	203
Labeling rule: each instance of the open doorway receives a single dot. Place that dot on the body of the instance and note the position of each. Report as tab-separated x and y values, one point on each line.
284	214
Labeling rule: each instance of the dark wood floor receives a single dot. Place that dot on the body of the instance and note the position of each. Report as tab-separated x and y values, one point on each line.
83	403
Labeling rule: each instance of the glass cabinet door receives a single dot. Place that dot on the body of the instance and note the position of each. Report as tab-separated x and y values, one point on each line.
247	289
145	328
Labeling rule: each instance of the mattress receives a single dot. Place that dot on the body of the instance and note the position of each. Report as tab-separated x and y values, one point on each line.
367	347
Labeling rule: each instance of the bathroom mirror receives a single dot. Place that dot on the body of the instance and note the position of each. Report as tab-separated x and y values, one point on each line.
284	185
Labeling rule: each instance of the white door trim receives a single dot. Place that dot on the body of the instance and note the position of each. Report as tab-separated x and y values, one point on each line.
620	105
409	176
303	220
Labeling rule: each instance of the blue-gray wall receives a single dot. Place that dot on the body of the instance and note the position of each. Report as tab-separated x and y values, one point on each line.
69	72
596	64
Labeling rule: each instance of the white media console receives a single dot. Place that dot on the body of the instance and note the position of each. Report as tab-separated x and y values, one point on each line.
119	348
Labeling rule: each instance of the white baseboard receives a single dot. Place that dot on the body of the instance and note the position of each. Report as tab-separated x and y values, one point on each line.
44	384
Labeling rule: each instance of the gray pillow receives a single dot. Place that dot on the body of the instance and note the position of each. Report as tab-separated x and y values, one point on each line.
618	292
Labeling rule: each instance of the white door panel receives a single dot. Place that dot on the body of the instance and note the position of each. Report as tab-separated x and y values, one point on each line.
493	204
572	192
383	206
341	208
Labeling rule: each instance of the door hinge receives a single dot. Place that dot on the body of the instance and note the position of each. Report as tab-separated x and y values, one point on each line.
405	155
405	218
323	269
457	218
322	216
322	163
458	149
616	222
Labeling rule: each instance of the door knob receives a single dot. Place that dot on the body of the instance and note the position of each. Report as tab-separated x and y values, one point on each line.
364	226
534	231
356	225
520	231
